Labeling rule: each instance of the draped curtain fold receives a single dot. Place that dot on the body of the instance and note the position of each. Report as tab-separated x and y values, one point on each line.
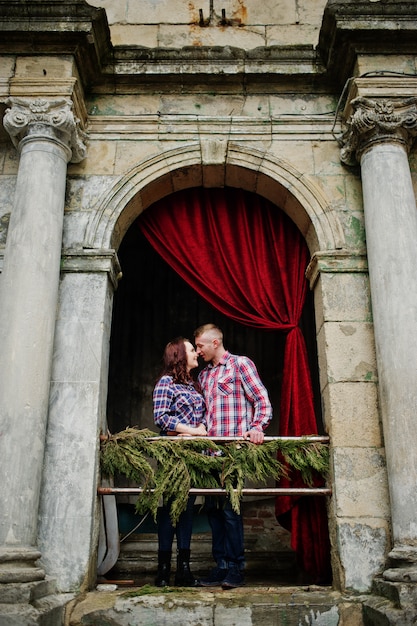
247	259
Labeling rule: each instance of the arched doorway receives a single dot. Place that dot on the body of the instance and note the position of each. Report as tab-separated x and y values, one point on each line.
153	305
89	277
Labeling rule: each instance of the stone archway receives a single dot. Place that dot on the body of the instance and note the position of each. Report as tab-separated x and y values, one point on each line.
209	165
250	170
79	380
216	163
153	304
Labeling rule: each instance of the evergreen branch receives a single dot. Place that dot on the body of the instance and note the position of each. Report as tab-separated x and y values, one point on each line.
182	463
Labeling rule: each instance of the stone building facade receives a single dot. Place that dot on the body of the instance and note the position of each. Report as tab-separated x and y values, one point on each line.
110	106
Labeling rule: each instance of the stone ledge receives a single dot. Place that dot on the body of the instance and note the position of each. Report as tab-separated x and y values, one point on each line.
26	593
350	26
210	64
92	261
401	595
214	53
379	611
332	261
47	611
255	606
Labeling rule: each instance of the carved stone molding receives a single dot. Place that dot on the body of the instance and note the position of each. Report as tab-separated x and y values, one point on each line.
19	564
52	118
377	121
92	261
335	262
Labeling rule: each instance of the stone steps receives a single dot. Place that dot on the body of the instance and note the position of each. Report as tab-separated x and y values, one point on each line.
32	604
246	606
390	604
138	558
270	597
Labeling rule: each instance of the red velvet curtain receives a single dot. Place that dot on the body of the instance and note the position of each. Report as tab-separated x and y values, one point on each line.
247	258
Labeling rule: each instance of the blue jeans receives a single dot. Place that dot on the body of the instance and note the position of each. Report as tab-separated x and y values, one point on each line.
227	533
183	530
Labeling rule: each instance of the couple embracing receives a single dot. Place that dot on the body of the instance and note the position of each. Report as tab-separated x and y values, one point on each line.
228	399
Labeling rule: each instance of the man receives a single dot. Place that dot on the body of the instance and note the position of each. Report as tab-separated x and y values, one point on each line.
237	405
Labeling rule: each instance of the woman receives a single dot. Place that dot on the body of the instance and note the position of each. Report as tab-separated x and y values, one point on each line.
178	409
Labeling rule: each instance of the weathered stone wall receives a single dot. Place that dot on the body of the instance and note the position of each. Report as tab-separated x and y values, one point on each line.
303	147
148	137
142	146
249	24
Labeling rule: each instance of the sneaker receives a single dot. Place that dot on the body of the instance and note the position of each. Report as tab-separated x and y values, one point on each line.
233	579
215	578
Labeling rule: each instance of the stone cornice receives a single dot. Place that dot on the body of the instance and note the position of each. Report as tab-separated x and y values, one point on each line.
349	29
212	62
38	89
381	85
92	261
335	261
76	28
87	261
354	27
57	27
194	126
52	118
376	121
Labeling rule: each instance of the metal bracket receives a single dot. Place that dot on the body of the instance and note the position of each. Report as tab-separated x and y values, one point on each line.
213	18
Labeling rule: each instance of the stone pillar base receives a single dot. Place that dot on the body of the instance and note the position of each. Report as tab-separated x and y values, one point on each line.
403	565
36	603
393	599
18	565
27	593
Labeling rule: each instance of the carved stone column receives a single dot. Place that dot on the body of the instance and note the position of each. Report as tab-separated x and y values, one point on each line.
47	136
379	135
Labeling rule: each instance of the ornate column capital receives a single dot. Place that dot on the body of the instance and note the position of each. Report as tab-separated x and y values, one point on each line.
378	121
51	118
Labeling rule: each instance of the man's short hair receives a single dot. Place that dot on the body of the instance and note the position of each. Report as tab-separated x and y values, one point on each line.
214	331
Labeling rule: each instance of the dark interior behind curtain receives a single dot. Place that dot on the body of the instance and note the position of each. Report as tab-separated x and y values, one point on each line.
247	259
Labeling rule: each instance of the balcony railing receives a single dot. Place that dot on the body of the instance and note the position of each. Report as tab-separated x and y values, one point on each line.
246	491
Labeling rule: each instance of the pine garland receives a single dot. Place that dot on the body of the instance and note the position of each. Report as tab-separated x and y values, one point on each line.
201	463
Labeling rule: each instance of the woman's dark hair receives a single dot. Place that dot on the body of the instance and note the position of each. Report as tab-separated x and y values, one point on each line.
174	361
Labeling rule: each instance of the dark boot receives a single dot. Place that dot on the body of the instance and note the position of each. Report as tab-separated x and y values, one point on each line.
183	575
164	568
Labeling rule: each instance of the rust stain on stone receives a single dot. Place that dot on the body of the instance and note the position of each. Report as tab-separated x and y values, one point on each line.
195	32
195	35
240	14
194	13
